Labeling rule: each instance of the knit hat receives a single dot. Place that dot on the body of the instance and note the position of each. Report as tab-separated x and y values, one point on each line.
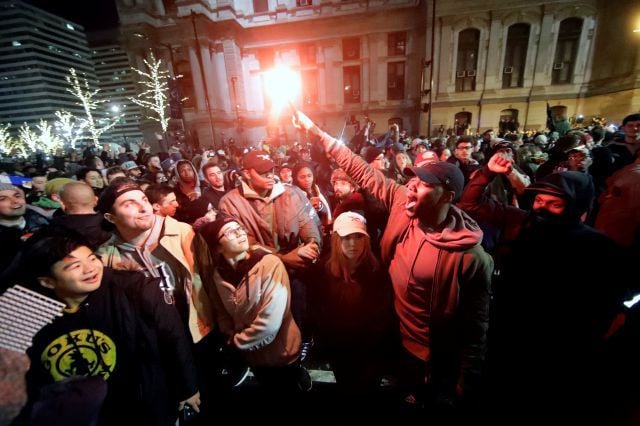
371	153
441	173
129	165
9	187
339	174
260	161
167	164
55	185
211	231
112	192
350	223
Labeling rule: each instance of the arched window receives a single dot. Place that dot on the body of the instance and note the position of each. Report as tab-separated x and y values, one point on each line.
558	113
508	120
462	122
566	50
468	43
515	56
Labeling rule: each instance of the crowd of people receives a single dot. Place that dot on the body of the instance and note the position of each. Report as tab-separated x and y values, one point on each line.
484	276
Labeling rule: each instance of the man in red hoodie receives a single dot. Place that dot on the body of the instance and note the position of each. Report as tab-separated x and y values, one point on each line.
440	273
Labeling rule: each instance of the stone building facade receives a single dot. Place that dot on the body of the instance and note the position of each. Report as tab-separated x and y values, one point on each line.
494	64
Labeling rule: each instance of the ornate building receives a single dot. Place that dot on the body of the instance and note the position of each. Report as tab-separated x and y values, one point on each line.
494	64
499	64
354	58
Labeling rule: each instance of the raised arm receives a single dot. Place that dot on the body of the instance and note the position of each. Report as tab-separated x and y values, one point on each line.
384	189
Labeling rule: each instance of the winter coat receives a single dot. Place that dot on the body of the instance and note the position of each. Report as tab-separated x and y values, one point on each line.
126	333
192	253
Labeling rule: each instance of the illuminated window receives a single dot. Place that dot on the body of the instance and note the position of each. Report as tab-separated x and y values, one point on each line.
260	6
351	79
397	43
566	50
515	56
468	43
351	48
395	80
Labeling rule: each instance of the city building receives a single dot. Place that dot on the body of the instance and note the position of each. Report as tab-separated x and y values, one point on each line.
471	66
505	65
117	84
355	59
36	51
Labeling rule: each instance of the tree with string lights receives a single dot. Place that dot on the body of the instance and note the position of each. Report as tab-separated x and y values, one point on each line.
69	127
28	140
90	103
155	86
48	141
7	142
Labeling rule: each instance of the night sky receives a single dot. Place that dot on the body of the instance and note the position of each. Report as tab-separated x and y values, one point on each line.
92	14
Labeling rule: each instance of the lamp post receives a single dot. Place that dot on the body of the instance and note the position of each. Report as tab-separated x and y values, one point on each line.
234	81
202	75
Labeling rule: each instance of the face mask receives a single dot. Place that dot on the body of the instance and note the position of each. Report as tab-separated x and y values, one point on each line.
545	217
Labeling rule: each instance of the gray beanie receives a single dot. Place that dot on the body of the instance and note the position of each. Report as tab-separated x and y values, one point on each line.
9	187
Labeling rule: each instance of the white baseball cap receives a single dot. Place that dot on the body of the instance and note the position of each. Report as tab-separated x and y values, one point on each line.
350	223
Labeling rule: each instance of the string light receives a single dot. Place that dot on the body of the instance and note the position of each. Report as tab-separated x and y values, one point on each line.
70	127
90	103
154	96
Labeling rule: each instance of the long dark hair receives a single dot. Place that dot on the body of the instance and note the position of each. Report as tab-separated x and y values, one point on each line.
338	264
296	169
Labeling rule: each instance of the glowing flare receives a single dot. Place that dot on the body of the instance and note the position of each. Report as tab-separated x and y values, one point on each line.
282	85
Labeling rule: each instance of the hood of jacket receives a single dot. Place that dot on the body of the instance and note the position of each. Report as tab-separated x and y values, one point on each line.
196	184
460	232
575	187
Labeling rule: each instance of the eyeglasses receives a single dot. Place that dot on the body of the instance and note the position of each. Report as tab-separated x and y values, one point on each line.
234	233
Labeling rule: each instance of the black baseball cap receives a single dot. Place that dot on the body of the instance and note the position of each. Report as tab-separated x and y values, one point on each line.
440	173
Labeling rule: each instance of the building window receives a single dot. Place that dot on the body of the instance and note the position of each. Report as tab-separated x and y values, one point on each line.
462	122
508	121
301	3
351	79
307	54
260	6
310	87
558	113
566	50
350	48
515	56
395	80
397	44
468	43
185	84
395	120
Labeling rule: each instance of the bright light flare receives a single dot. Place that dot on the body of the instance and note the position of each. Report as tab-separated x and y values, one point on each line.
282	85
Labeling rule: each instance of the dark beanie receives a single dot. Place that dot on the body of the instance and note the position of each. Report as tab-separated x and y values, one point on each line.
211	231
371	153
